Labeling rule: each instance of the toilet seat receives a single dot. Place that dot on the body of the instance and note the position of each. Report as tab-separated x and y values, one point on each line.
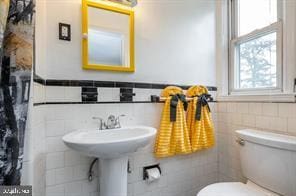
233	189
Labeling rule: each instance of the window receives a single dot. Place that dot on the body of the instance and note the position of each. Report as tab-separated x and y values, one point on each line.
255	46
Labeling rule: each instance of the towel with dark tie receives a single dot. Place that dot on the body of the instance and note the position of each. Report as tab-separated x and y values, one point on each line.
199	119
173	136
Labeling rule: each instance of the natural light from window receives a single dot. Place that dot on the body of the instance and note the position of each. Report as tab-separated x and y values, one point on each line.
255	14
257	62
256	45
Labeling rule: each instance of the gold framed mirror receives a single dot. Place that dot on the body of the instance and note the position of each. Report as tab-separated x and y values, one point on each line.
108	37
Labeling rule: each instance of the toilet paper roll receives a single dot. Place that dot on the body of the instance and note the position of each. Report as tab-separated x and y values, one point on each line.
152	174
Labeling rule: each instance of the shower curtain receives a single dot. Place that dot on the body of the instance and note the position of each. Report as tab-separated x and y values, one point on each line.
16	63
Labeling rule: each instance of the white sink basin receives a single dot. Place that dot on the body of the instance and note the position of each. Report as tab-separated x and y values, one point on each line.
111	143
112	146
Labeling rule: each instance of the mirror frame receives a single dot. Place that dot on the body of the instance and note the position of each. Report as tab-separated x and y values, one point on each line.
112	8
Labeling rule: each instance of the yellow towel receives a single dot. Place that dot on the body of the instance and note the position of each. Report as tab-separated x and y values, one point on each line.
172	137
201	127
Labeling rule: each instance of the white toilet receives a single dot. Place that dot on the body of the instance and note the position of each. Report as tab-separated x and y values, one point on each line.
268	161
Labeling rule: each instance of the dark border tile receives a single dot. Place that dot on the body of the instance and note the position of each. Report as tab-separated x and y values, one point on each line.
126	94
124	84
38	79
82	83
109	84
159	86
38	104
186	87
109	102
143	85
89	94
212	88
57	83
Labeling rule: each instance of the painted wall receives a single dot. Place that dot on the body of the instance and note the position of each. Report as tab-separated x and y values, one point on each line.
40	38
175	42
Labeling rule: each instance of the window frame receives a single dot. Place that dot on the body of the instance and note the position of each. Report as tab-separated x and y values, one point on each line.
235	40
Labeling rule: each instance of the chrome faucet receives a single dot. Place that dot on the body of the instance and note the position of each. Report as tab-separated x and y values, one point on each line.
112	122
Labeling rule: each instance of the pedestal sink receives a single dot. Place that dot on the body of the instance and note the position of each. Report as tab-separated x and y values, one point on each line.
112	147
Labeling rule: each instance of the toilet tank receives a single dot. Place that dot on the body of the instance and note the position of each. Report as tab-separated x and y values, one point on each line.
269	160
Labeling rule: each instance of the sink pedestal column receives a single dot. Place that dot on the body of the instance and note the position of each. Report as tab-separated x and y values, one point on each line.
113	176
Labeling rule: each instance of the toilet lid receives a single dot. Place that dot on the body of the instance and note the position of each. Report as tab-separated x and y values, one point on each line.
230	189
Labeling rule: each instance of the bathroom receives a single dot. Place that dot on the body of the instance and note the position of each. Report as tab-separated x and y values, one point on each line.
46	46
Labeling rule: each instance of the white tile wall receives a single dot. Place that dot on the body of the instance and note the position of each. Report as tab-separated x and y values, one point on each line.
59	93
143	94
55	160
40	96
73	94
54	93
55	170
108	94
33	171
274	117
66	170
55	128
181	175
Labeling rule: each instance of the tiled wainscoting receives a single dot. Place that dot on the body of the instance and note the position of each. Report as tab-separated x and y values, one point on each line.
66	171
33	172
273	117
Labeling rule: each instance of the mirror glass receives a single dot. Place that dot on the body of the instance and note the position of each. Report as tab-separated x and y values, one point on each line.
108	38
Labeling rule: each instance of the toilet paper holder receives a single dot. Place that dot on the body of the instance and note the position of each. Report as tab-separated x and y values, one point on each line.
145	174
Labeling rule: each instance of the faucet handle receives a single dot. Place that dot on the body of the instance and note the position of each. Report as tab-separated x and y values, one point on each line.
111	122
118	120
111	117
97	118
121	115
118	117
101	120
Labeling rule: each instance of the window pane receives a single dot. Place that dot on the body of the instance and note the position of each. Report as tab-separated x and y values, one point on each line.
255	14
257	62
